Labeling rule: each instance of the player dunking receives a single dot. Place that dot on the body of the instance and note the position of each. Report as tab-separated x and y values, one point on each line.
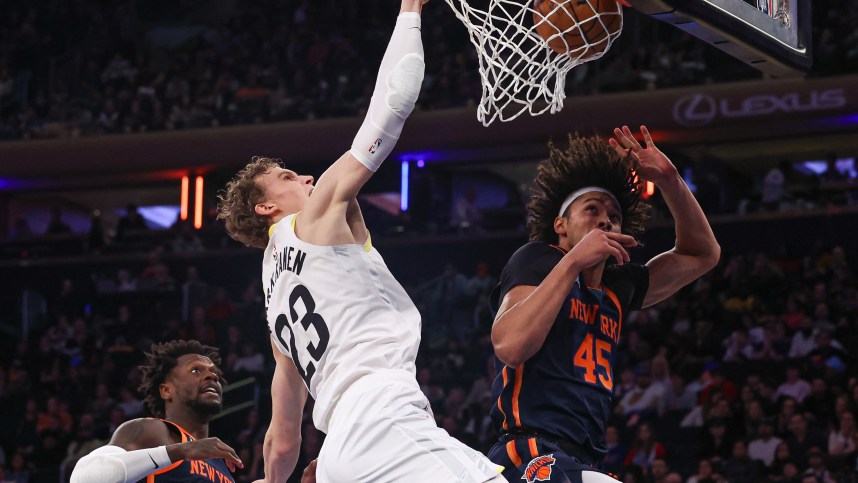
341	326
183	385
560	306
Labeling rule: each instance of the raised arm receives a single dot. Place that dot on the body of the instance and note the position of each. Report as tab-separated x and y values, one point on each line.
396	90
283	438
696	250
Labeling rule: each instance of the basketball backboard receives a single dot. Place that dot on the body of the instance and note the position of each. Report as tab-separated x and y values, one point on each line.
773	36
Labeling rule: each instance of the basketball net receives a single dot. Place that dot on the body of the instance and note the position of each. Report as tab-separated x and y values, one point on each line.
519	72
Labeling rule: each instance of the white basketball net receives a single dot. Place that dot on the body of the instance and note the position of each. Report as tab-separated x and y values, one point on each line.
519	71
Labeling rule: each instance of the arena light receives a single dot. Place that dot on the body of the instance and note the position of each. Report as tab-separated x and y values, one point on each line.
198	203
186	182
403	187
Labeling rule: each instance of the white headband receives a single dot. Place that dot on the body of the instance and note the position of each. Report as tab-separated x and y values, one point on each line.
578	193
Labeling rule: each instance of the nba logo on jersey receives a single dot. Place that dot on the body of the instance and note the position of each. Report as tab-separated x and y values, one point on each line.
767	7
539	469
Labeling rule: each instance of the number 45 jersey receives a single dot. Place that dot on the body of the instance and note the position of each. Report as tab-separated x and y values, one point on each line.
564	390
337	312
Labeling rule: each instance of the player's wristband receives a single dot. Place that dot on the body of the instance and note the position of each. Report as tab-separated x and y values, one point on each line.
112	464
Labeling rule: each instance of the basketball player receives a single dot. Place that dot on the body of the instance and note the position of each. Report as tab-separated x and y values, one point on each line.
182	384
562	299
341	326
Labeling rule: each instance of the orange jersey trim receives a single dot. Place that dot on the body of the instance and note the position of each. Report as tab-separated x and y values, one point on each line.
519	372
512	453
186	436
500	406
531	444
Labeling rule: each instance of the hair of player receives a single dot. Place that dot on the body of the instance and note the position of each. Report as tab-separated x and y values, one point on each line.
237	204
586	161
160	360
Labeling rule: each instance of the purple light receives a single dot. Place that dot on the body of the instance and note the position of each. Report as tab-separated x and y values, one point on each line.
403	187
12	184
421	163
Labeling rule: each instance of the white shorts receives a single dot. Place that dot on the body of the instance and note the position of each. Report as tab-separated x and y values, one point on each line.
382	430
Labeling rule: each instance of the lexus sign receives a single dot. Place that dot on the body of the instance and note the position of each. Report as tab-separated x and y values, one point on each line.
696	110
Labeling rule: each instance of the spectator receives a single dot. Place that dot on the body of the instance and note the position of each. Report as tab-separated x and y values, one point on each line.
705	474
645	448
843	439
802	438
740	468
766	443
56	225
643	400
794	387
616	453
130	223
816	466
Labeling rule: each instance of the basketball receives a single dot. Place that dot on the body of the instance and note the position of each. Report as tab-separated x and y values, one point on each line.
579	22
543	473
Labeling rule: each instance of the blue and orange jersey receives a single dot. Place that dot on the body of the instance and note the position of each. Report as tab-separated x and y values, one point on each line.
564	390
211	470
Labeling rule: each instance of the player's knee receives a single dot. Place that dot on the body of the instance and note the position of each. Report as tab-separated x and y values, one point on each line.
403	84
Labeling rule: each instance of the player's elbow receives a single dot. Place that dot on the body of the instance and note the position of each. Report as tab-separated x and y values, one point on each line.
712	257
508	352
279	448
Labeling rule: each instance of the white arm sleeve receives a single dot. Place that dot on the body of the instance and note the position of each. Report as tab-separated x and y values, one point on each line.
396	92
112	464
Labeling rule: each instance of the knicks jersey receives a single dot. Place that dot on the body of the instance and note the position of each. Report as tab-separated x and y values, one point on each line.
564	390
185	471
337	312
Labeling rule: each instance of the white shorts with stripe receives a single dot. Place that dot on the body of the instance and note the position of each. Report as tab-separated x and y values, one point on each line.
382	430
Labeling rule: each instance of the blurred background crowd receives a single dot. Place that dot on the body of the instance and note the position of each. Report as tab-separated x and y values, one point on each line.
747	375
72	68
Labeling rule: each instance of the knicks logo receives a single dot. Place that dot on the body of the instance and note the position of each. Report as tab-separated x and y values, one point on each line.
375	146
539	469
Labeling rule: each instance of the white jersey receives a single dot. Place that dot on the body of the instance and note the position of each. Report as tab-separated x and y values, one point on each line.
337	312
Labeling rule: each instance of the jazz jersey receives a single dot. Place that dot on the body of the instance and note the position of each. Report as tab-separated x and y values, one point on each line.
337	312
564	390
185	471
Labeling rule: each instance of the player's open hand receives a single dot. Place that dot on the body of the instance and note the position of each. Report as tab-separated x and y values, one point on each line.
650	163
203	449
599	245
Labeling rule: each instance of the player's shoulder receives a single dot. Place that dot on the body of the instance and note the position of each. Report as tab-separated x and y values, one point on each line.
142	433
536	249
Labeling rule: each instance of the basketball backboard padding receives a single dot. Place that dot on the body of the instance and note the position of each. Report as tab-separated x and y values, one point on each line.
742	31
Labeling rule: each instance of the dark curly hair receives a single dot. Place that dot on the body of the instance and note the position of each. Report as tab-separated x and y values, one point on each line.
160	360
587	161
237	204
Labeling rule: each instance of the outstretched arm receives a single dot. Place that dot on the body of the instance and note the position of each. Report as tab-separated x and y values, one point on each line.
283	438
141	447
696	250
396	90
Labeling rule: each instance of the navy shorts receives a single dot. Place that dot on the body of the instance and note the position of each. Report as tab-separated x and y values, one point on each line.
537	459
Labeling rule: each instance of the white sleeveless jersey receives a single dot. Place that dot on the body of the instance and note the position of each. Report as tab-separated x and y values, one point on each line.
337	312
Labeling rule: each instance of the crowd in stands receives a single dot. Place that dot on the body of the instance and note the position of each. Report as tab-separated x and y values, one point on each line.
746	375
77	68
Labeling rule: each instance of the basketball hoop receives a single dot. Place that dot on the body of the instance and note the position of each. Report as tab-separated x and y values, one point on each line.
526	49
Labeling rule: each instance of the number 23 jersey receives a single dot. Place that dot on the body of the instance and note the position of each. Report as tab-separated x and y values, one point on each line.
337	312
564	390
